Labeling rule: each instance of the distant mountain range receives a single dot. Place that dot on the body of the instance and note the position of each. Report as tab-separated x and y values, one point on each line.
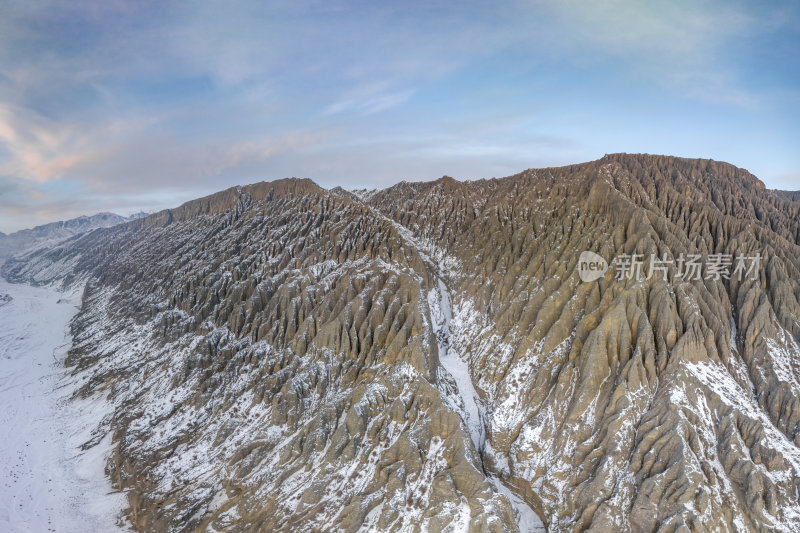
49	234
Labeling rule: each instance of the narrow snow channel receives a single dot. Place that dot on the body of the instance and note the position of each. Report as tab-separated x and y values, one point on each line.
48	482
467	403
442	315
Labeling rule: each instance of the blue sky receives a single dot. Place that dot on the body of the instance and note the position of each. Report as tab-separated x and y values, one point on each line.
121	106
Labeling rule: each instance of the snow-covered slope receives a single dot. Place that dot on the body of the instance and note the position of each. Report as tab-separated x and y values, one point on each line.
426	357
46	235
49	481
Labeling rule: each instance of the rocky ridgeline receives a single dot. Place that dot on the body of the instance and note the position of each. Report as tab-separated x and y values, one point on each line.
280	357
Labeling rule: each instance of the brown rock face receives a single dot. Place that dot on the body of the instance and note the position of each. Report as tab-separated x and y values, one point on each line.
427	358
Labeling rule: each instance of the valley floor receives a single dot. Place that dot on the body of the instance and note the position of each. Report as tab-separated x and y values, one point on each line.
47	483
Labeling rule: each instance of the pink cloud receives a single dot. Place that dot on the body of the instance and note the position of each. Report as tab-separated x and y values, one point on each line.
38	149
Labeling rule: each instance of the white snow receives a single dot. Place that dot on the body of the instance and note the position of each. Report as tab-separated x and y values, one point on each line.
527	519
714	376
468	401
365	195
48	482
783	357
456	366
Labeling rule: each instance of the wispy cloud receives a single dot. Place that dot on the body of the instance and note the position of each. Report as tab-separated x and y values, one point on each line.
685	46
370	99
37	148
117	103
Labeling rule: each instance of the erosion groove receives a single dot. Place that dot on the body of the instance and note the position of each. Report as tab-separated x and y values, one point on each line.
426	358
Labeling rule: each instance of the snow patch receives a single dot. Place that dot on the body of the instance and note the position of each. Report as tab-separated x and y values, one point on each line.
50	483
455	365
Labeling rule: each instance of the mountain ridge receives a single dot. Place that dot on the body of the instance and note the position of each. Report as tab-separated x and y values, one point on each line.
426	356
51	233
227	198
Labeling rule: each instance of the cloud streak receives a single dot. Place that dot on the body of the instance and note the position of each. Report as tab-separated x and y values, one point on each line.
37	149
116	104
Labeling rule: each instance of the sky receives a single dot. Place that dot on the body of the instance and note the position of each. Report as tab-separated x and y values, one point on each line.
125	106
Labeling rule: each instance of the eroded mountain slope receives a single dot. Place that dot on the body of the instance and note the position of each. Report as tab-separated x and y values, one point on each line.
425	357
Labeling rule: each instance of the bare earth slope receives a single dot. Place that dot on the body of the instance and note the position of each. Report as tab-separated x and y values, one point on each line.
425	357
